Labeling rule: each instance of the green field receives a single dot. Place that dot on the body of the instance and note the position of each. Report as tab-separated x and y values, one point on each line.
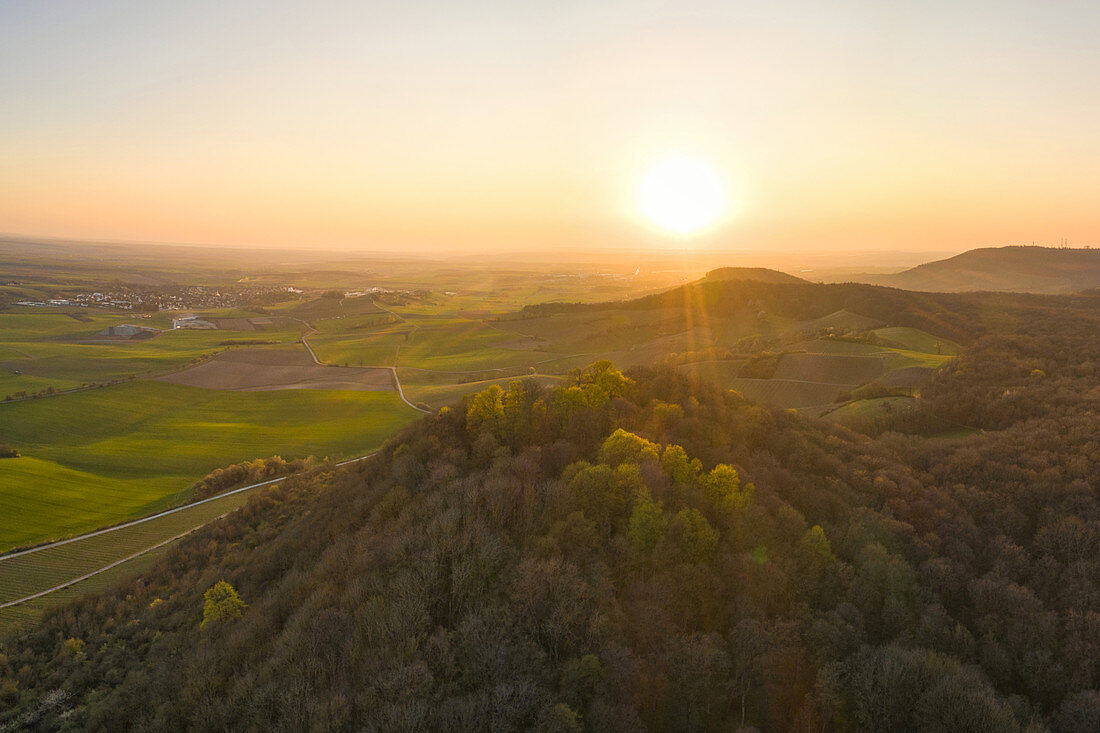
60	349
813	373
97	457
33	572
831	368
911	339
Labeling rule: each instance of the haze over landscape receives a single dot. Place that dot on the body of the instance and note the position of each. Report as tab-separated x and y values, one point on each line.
562	367
442	126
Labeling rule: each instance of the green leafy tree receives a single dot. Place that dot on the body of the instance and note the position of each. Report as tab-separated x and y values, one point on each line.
678	466
815	547
625	447
486	409
722	487
601	382
603	494
647	523
693	537
221	603
73	647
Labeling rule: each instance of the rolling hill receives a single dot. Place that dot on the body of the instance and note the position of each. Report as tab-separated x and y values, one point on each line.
1012	269
760	274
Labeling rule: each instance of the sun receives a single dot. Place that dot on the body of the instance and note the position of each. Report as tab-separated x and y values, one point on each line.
681	194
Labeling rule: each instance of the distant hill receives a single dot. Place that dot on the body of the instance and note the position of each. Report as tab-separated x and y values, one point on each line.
1012	269
760	274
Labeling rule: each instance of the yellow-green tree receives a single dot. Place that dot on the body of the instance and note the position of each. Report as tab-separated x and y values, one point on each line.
486	409
722	487
678	466
815	547
626	447
221	603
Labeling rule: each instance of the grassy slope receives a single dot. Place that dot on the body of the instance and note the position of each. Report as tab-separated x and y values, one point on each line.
915	340
34	572
101	456
858	410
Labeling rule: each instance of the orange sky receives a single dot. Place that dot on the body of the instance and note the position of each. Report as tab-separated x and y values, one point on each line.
843	126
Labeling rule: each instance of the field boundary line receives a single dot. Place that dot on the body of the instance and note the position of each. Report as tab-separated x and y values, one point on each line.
165	513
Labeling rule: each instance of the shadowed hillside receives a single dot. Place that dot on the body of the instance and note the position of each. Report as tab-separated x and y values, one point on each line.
1017	269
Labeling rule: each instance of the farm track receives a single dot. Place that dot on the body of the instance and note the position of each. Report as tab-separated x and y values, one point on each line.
66	563
392	369
92	554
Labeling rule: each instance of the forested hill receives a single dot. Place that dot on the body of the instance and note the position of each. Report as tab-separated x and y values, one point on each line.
761	274
633	552
1019	269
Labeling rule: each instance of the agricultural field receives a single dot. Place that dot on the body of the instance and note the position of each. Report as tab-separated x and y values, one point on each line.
53	349
831	368
126	549
22	575
359	342
96	457
786	393
840	320
14	617
277	368
442	358
810	375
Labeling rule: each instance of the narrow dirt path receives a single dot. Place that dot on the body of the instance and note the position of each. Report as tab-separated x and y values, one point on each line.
393	369
396	354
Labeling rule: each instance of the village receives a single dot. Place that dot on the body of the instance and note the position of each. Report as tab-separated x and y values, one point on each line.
126	297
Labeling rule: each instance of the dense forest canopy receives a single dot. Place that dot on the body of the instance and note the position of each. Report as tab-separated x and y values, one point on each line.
637	551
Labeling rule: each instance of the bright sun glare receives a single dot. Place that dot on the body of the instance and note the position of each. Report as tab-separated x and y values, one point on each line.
682	195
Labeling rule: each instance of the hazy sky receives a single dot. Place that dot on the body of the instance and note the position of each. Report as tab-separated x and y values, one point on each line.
835	124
